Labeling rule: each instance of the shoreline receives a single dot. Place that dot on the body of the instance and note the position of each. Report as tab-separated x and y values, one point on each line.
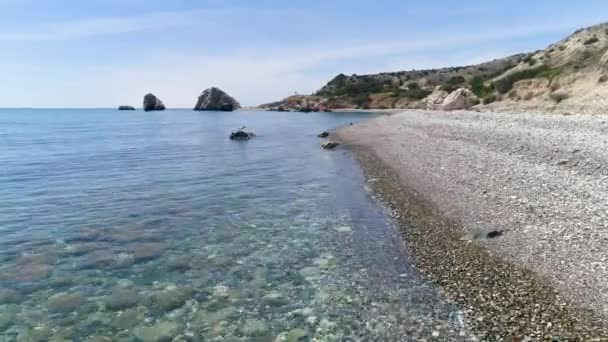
501	298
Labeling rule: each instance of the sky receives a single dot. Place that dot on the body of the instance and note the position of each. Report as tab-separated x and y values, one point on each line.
105	53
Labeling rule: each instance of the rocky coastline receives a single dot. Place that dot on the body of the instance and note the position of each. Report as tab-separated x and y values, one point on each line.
503	296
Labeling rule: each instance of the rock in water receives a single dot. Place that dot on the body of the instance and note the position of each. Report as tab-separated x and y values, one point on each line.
151	103
216	99
126	108
330	145
323	135
241	134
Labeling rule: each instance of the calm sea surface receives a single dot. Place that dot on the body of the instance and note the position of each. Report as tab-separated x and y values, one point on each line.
133	226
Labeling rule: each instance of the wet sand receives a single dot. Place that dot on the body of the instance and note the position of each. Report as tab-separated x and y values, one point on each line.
453	178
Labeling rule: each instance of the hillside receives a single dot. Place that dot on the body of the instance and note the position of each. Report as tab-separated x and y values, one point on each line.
570	75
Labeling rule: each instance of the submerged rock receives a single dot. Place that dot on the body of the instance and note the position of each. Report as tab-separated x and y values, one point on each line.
256	328
65	302
8	317
121	299
28	269
275	298
146	250
151	103
128	318
216	99
160	332
9	296
297	335
126	108
173	298
330	145
323	135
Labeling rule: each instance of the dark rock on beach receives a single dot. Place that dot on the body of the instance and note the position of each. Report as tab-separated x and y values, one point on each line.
152	103
216	99
126	108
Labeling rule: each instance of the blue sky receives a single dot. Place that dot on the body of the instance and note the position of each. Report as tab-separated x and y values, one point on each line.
102	53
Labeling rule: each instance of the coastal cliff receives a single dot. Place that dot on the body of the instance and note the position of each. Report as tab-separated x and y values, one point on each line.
570	75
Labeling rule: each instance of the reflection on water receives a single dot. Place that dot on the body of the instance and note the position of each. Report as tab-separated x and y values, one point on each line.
156	227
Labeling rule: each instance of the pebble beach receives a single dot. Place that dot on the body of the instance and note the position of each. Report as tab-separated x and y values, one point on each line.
505	212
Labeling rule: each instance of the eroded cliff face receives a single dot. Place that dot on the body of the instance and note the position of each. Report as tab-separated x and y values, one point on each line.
572	72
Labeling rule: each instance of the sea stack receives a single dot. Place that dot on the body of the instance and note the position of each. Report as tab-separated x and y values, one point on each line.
151	103
216	99
126	108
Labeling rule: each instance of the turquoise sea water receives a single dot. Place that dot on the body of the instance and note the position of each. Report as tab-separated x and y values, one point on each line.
133	226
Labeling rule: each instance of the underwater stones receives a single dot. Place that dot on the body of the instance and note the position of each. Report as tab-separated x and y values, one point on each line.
28	268
172	298
128	318
147	250
88	234
256	328
8	315
163	331
343	229
65	302
275	298
212	318
9	296
122	298
79	249
221	291
296	335
179	263
37	334
108	258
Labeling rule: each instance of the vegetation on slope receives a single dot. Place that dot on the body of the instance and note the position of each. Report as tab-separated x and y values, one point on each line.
551	74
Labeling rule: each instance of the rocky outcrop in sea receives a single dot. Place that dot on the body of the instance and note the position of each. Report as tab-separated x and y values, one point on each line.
152	103
216	99
126	108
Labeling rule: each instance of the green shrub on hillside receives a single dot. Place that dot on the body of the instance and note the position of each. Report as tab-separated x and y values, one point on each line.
529	59
414	93
479	88
506	83
488	99
456	80
591	40
361	100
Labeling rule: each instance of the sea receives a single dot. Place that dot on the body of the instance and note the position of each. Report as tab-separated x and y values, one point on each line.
155	226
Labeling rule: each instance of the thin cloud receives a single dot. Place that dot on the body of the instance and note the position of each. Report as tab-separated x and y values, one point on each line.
91	27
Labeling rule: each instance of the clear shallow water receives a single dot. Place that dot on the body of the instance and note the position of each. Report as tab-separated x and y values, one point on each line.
141	226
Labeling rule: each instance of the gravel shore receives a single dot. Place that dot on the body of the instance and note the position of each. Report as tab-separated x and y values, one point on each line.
539	183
